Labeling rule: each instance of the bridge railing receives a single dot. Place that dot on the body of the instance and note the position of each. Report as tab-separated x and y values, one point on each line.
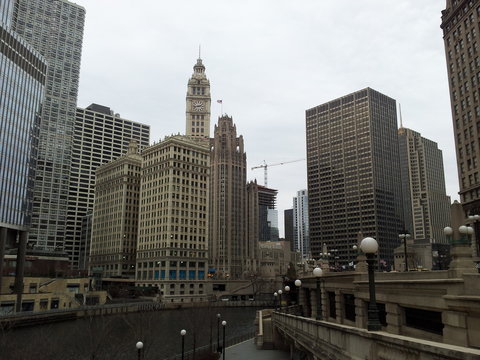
335	341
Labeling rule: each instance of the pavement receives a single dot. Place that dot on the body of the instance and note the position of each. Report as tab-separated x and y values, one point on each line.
248	350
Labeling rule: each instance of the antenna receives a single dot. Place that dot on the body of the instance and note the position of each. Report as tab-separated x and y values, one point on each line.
400	110
199	51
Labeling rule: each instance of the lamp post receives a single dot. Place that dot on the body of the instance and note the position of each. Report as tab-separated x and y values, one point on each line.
218	332
183	332
475	218
275	294
224	324
317	272
404	236
287	290
298	283
280	299
355	250
370	246
139	346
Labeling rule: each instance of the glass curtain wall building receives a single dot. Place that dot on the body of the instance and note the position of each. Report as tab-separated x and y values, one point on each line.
55	29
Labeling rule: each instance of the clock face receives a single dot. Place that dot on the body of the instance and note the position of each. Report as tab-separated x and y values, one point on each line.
198	105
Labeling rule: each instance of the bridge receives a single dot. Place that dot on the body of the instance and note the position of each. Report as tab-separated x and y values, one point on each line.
424	315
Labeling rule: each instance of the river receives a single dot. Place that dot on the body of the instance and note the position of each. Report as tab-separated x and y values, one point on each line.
115	336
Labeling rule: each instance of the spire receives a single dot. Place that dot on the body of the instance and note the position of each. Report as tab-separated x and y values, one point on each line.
199	51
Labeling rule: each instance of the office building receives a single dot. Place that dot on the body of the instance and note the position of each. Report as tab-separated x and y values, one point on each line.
261	211
300	224
22	84
426	205
460	28
55	30
172	249
198	103
227	245
288	227
100	136
115	216
353	173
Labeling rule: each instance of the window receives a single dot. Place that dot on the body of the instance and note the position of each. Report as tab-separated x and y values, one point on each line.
425	320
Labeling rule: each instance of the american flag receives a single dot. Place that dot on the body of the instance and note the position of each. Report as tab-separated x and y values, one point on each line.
220	101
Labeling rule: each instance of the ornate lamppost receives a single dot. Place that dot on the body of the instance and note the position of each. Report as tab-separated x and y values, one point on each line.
280	298
370	246
218	332
287	292
275	294
183	332
318	272
139	346
224	324
298	284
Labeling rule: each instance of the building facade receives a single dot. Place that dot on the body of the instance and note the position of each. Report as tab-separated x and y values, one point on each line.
460	25
172	249
300	224
198	103
55	30
426	204
100	136
22	83
115	216
353	174
288	227
228	170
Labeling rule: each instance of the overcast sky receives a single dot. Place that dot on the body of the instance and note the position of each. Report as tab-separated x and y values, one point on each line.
269	61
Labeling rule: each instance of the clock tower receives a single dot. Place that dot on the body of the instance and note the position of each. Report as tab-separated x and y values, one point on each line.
198	103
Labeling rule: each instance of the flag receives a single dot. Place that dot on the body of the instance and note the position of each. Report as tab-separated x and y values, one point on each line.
220	101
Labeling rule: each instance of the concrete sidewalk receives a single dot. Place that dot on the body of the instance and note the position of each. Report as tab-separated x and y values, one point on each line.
248	350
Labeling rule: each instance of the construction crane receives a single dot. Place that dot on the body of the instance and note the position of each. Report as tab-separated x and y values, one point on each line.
265	166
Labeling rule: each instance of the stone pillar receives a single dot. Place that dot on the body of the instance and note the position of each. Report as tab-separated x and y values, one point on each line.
455	328
339	307
3	240
22	248
313	304
394	318
360	313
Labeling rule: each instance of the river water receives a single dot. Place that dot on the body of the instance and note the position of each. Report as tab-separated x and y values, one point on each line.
115	336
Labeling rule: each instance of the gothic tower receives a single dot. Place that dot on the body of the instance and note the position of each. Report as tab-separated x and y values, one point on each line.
227	223
198	103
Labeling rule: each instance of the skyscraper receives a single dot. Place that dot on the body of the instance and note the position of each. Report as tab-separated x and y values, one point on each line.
354	174
172	249
288	226
300	223
228	170
426	205
198	103
115	216
55	29
22	84
100	136
460	25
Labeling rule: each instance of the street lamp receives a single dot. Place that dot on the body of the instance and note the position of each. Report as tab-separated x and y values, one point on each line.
275	294
287	290
354	247
317	272
280	298
183	332
298	283
224	324
370	246
218	332
139	346
404	237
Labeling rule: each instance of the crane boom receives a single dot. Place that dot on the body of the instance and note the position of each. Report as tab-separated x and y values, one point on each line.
265	166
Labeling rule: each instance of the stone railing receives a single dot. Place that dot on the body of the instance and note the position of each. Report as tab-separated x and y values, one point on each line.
327	340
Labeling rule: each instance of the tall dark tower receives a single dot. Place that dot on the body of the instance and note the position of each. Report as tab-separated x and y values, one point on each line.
354	174
198	103
228	170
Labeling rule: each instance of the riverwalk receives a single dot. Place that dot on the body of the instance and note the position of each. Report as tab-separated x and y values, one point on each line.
248	350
